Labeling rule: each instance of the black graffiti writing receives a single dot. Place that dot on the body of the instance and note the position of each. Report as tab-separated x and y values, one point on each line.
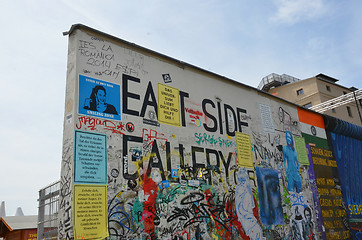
196	210
222	116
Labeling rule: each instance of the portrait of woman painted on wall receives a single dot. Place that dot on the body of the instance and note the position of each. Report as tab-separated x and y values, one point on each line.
97	101
99	98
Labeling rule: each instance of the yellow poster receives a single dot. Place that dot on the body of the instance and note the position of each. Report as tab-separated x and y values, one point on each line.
168	105
90	212
301	150
243	147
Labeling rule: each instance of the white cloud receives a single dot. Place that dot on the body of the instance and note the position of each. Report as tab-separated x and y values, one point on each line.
294	11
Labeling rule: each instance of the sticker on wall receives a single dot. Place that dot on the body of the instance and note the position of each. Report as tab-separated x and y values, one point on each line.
243	145
194	183
90	212
90	160
166	78
98	98
183	184
114	173
174	173
168	105
301	150
164	184
266	117
68	119
130	127
152	115
152	119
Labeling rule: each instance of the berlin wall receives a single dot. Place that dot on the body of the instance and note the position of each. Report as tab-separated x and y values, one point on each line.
155	148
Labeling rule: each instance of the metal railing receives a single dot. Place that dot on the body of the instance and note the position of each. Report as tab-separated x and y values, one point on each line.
275	80
48	211
338	101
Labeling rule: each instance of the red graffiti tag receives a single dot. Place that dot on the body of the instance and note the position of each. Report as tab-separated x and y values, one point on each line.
194	112
194	116
94	123
150	135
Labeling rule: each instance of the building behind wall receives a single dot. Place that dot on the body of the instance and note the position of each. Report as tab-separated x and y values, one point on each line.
312	91
18	227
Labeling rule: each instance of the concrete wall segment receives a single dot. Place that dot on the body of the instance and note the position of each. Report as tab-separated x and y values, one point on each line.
184	177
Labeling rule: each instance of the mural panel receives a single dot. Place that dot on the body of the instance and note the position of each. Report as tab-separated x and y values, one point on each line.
326	184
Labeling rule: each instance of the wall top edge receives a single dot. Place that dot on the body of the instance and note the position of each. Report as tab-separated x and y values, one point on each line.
175	61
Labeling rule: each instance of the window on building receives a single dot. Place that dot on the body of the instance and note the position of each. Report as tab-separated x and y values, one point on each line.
328	88
333	109
308	105
344	93
360	102
300	91
349	111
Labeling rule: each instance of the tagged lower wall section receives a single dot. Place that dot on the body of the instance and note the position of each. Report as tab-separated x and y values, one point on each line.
158	149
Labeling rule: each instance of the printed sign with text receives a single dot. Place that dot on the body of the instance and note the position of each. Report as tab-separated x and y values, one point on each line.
98	98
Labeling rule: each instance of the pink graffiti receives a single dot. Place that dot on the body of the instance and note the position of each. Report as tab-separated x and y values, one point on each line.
94	123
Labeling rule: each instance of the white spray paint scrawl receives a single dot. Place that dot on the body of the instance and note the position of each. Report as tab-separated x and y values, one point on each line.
244	206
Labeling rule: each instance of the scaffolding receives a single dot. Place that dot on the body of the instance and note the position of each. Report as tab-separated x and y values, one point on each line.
339	101
275	80
48	212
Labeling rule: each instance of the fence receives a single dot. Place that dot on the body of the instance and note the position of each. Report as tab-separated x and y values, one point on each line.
48	211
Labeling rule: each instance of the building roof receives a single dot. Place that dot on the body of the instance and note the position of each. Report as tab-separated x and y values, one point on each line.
320	76
324	77
11	223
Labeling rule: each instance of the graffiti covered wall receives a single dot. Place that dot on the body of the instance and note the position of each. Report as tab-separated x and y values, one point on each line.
155	148
346	141
325	182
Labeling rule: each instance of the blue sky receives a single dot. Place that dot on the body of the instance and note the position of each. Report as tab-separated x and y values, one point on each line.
242	40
